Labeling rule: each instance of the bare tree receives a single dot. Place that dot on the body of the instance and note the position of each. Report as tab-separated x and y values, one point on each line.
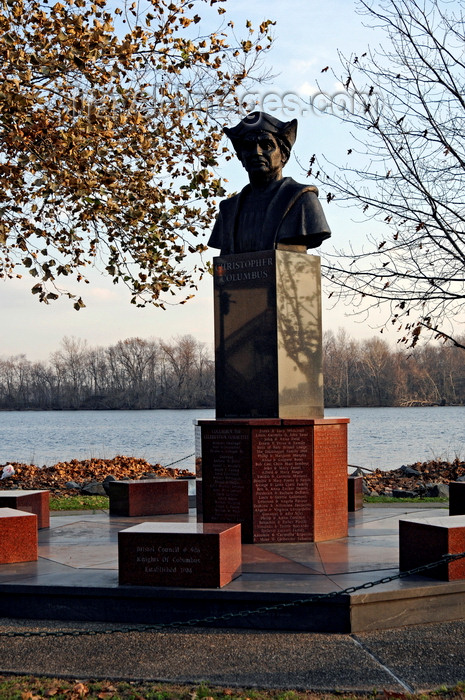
191	372
135	360
69	364
405	169
378	371
341	361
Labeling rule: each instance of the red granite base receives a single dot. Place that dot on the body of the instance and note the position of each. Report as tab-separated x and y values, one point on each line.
284	480
37	502
18	536
457	498
355	493
148	497
426	541
193	555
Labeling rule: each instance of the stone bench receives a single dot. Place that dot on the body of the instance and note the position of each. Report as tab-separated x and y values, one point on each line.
355	493
423	541
37	502
192	555
148	497
18	536
457	498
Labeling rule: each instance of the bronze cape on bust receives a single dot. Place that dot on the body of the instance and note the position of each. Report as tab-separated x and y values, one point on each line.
271	211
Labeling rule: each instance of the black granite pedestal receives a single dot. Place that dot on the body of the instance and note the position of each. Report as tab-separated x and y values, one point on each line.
268	337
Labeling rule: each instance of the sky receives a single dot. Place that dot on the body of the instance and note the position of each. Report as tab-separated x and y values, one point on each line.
308	36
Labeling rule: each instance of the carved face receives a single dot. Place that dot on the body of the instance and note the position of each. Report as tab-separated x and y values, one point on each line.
260	154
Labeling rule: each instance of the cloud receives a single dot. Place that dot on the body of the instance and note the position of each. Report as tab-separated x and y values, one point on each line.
307	89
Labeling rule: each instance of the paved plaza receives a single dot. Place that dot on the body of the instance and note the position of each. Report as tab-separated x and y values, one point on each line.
407	634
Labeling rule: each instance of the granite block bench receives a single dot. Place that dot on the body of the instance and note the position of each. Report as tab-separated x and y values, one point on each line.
37	502
457	498
148	497
18	536
355	493
424	541
192	555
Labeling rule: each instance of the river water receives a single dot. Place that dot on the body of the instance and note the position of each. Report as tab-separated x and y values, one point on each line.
384	438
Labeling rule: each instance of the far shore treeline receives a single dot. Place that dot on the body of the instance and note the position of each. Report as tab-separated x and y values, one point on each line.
149	374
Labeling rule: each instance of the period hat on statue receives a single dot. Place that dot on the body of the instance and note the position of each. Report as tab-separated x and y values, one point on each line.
284	132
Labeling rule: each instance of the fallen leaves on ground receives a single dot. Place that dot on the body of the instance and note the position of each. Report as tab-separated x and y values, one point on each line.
29	476
29	687
431	472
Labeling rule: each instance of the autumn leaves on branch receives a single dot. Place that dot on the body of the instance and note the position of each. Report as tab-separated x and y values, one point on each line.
110	131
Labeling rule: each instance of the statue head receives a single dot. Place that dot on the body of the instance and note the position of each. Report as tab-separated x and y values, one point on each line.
263	144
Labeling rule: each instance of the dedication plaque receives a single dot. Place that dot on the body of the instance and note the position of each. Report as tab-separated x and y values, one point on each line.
226	479
179	554
282	485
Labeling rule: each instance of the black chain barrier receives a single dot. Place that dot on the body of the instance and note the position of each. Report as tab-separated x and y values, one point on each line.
198	622
178	460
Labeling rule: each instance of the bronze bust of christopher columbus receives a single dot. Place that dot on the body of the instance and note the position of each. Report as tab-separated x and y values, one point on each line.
271	211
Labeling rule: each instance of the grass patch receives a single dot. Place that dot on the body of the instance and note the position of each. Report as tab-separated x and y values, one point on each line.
31	688
78	503
390	499
101	502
